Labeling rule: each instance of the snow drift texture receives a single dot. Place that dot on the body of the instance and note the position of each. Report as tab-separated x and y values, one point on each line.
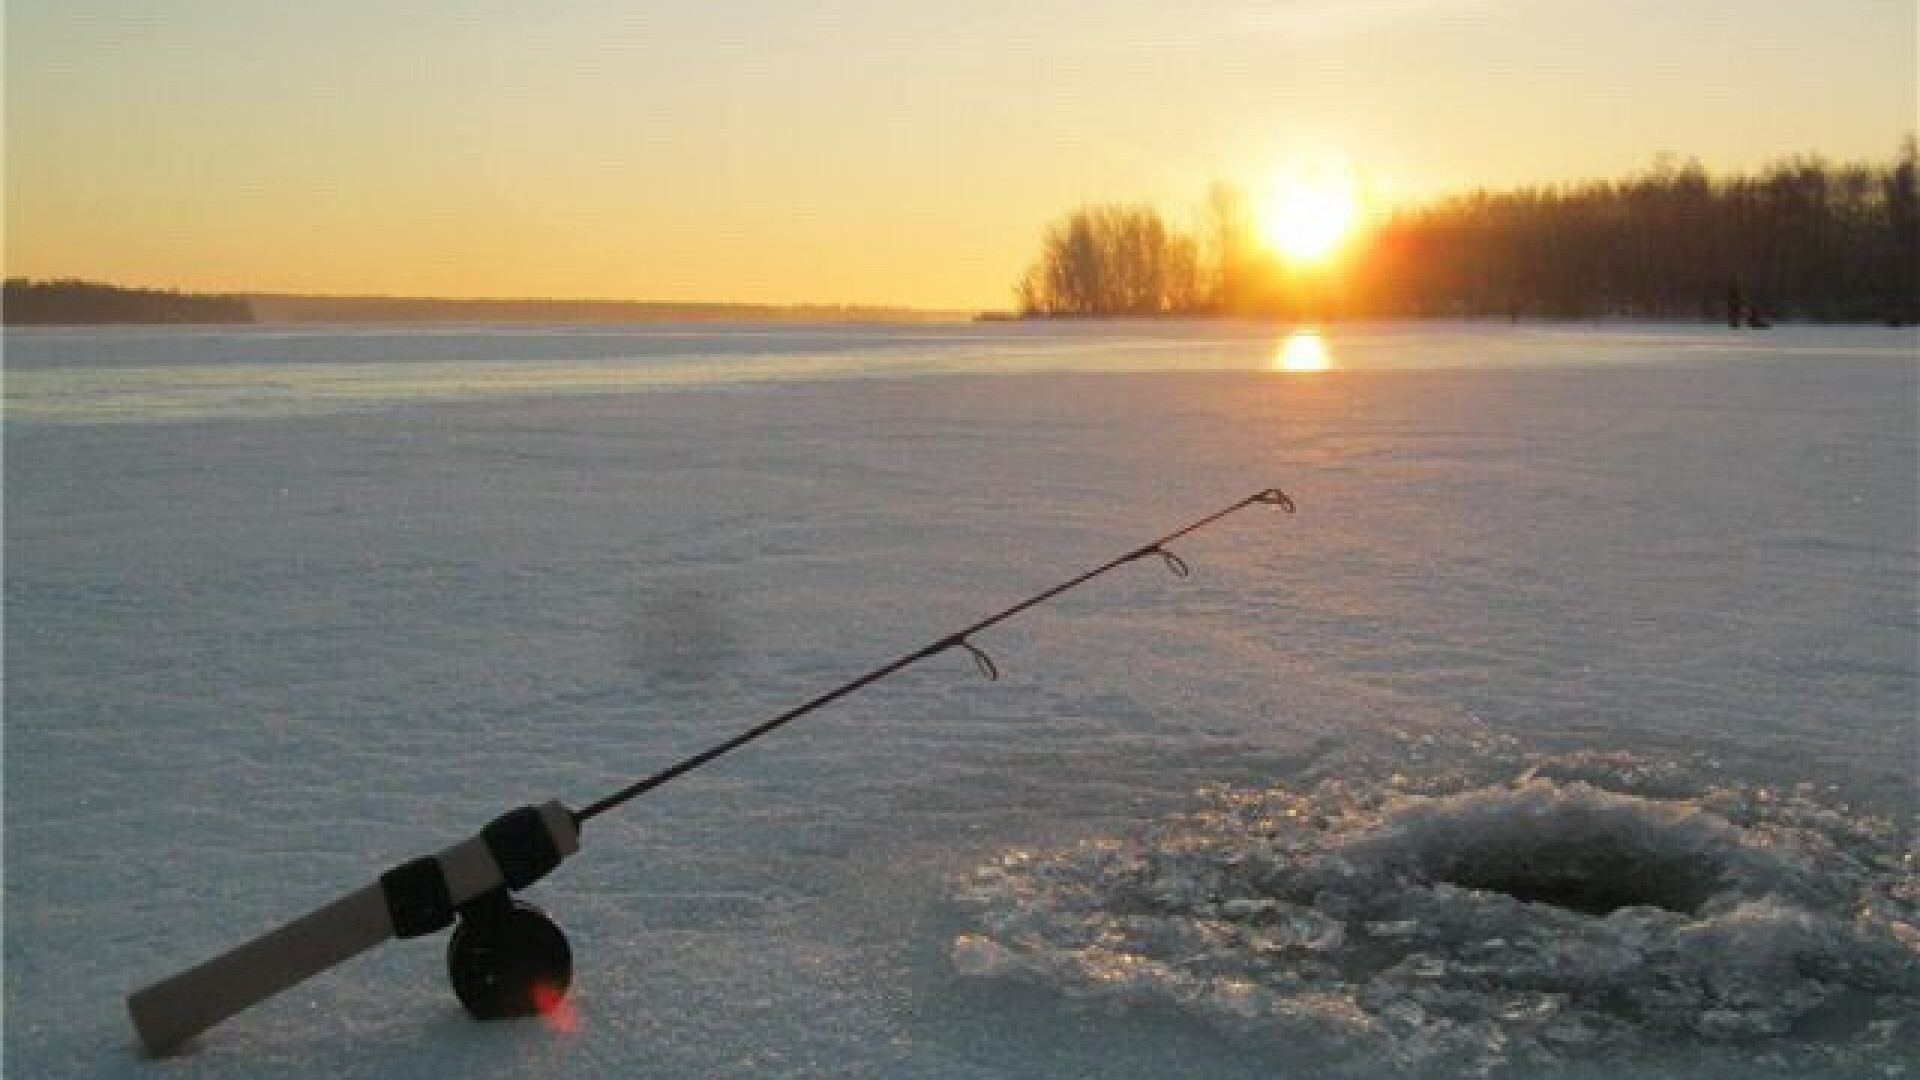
1596	908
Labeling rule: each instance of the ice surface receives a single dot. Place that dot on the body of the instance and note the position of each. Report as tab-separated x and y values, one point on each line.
1489	929
286	608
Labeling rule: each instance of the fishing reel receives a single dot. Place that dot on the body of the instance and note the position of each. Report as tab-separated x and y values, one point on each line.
508	958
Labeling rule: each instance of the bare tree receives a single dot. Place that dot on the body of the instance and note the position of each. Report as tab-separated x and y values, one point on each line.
1111	261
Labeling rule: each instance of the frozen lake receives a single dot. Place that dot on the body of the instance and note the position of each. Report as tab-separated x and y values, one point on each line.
286	606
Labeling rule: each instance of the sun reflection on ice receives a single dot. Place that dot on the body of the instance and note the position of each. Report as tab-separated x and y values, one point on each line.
1303	350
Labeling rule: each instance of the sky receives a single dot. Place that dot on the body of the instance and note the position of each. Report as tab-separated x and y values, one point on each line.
844	151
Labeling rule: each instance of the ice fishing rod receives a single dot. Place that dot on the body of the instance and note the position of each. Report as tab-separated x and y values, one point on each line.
507	958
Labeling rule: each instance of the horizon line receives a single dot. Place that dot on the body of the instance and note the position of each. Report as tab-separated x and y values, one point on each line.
432	298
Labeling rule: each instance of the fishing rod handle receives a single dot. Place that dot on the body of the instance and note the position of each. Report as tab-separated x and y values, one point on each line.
414	898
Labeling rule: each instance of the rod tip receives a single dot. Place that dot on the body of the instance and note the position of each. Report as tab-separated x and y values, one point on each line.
1273	496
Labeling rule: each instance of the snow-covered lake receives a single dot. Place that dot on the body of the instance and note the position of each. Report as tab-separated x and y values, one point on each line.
1563	611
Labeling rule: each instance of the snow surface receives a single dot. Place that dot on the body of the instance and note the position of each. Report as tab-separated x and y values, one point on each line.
1622	619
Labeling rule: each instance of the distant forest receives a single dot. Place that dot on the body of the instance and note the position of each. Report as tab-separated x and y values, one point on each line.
1802	239
70	301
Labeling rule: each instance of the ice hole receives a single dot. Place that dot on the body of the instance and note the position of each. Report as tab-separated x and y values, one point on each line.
1589	896
1586	867
1488	930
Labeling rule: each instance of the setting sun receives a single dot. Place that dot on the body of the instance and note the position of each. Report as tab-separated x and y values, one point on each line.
1307	218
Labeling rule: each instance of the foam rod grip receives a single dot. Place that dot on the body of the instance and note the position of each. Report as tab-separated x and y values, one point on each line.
174	1010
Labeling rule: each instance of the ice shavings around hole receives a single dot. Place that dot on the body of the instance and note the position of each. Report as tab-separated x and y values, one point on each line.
1593	908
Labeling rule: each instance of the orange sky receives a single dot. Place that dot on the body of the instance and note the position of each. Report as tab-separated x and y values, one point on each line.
853	151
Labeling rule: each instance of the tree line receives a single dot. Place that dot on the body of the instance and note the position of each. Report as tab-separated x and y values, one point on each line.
71	301
1804	238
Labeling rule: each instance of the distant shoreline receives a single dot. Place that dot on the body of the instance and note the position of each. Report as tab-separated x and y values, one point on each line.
289	308
72	302
80	304
959	319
